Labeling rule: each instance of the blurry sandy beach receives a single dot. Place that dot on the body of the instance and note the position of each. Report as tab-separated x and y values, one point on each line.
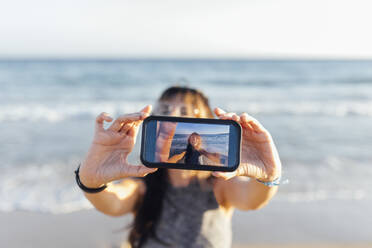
306	225
318	112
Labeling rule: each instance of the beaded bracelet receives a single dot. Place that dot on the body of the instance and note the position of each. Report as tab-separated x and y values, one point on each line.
275	182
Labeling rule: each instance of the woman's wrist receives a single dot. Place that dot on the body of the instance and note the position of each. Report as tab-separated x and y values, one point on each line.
85	188
269	178
273	183
88	169
86	179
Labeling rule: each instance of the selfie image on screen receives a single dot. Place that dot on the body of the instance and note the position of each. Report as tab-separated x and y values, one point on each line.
192	143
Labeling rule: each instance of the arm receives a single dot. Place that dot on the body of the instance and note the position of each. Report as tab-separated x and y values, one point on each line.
244	193
176	157
259	160
214	156
118	199
106	162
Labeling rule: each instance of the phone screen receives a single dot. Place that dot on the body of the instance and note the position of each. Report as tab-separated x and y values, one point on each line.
191	143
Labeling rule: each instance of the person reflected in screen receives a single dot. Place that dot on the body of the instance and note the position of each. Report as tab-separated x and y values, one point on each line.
176	207
194	152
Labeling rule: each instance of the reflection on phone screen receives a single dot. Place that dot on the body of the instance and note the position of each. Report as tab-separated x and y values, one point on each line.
192	143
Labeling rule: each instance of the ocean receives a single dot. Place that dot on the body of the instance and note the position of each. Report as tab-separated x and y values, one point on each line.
318	112
210	142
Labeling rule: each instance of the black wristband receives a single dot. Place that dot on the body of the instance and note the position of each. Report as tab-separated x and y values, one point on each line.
84	188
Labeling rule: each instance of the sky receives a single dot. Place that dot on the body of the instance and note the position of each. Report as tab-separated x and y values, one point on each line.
186	28
188	128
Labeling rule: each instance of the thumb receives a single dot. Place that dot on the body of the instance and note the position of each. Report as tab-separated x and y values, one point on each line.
137	171
224	175
146	110
251	170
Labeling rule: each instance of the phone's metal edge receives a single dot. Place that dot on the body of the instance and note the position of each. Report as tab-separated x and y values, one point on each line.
189	167
142	152
190	119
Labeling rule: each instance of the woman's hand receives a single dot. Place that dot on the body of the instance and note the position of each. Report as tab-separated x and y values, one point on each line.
259	157
107	157
164	140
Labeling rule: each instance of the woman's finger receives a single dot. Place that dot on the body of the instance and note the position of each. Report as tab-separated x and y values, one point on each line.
127	170
121	120
236	117
125	128
249	120
146	110
138	170
134	129
219	111
251	170
100	119
225	116
244	122
224	175
230	116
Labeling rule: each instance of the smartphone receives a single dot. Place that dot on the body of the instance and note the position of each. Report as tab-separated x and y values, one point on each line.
190	143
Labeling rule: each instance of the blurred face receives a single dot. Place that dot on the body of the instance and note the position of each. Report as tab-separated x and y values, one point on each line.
175	107
178	108
195	141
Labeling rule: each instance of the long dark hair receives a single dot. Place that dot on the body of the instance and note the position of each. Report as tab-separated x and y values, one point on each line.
190	150
150	206
149	209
